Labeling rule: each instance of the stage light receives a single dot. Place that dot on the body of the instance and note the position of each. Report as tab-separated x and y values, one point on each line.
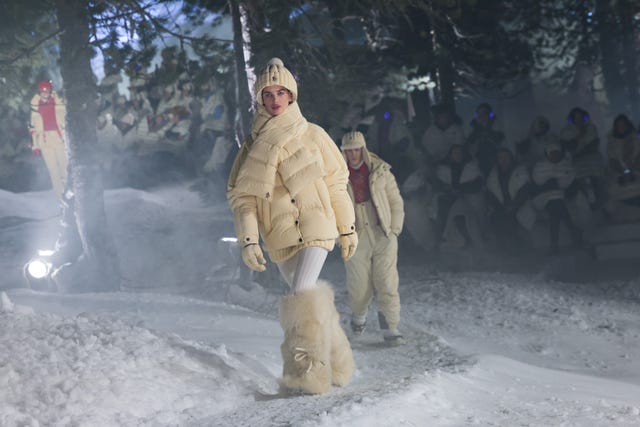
38	268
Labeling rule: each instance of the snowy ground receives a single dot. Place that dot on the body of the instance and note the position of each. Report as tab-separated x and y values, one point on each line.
185	345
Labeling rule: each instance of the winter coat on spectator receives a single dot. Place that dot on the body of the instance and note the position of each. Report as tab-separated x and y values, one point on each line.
531	149
517	189
436	141
109	139
483	144
461	184
623	152
552	179
581	141
213	112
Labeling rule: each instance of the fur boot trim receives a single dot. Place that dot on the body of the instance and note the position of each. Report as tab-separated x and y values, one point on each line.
306	320
342	363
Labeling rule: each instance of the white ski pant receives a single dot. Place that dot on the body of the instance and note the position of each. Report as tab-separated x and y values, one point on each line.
302	270
374	268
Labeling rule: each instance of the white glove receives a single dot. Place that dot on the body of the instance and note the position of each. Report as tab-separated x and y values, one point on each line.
349	243
253	257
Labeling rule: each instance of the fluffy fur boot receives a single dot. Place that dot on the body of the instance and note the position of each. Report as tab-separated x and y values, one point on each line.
306	319
342	363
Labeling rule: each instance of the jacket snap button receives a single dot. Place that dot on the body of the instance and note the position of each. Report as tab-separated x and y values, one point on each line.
293	200
300	240
297	222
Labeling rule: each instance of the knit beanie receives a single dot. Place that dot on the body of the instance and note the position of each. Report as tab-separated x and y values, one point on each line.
353	140
275	74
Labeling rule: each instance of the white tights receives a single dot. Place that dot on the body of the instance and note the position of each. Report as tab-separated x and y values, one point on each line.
301	271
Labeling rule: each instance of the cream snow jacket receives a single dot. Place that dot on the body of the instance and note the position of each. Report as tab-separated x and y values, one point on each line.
289	185
385	194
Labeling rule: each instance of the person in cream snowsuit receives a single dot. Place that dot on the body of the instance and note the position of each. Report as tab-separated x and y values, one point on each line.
288	185
379	218
47	128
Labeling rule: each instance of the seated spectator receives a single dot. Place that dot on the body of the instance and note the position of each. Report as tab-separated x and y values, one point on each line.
168	100
420	208
623	168
215	144
460	205
555	184
623	151
109	137
579	138
531	149
441	135
483	141
169	132
509	193
391	138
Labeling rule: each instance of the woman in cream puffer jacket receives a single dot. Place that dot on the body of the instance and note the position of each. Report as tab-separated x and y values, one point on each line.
288	185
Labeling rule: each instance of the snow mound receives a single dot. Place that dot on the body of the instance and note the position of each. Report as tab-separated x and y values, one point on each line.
53	368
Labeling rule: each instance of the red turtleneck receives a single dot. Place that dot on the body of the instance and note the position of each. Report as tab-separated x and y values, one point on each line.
360	183
47	110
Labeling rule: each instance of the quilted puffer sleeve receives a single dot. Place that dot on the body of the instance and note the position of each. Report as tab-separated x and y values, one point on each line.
336	178
244	206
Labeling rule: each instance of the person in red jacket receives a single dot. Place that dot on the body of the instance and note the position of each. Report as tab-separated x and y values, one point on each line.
47	128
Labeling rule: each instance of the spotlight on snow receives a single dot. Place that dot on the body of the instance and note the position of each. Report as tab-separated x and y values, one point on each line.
37	271
37	268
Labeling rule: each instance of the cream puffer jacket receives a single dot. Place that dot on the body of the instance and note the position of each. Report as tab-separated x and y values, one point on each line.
288	184
385	194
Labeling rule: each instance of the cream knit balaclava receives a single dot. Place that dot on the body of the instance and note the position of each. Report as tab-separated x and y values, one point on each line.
275	74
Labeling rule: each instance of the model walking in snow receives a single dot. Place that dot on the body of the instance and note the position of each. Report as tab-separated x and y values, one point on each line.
47	130
379	216
289	185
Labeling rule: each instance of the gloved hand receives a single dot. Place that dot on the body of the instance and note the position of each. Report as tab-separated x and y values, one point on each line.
36	151
349	243
253	257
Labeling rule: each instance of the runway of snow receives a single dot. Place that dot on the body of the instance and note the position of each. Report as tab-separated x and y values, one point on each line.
185	345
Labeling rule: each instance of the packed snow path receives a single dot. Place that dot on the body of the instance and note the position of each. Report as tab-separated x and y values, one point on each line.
179	348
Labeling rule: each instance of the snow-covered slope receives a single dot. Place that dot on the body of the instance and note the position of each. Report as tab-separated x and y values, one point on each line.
186	345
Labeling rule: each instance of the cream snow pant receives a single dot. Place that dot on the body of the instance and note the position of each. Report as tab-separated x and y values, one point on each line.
374	268
54	155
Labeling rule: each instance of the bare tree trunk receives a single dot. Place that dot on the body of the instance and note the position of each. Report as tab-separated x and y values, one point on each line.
610	55
98	267
627	14
243	97
445	76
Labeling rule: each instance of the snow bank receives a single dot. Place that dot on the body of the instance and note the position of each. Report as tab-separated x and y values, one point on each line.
97	370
